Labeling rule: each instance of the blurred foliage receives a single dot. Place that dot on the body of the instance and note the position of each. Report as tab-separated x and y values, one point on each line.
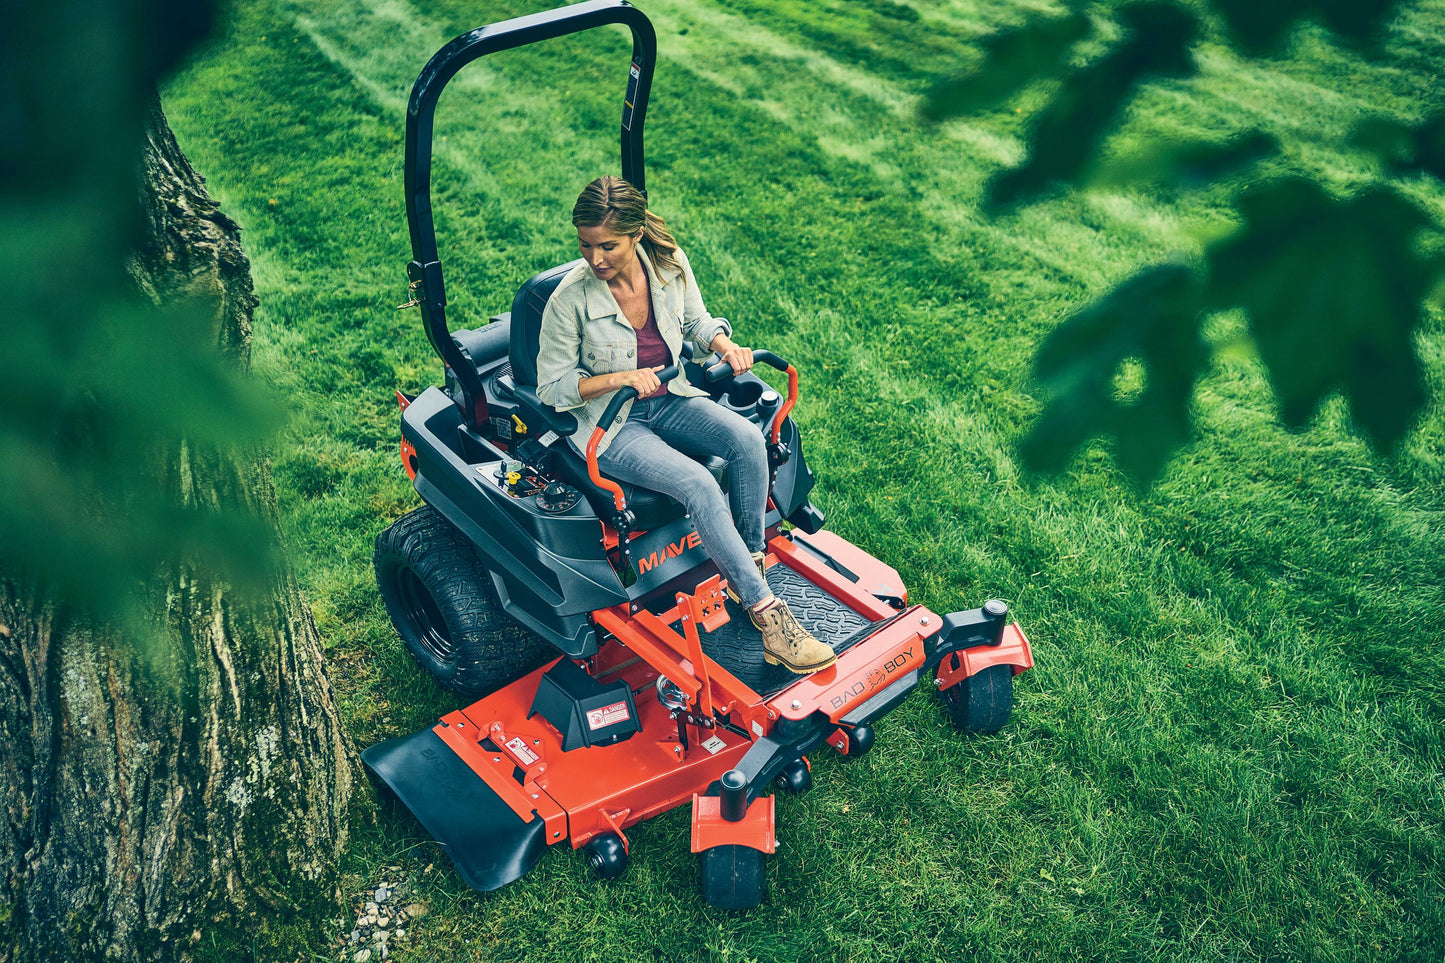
1332	289
1405	150
108	399
1261	26
1183	165
1332	286
1151	320
1013	59
1067	133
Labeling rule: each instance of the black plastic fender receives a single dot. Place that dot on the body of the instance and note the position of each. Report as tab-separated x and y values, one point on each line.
964	630
489	844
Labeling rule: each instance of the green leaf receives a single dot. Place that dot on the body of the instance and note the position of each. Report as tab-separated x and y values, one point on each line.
1184	165
1333	289
1013	59
1405	149
1065	137
1151	321
1260	26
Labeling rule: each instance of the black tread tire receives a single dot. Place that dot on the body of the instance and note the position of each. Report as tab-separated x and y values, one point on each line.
444	606
983	702
733	877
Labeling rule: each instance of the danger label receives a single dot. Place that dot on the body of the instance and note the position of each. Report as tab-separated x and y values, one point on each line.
520	750
607	715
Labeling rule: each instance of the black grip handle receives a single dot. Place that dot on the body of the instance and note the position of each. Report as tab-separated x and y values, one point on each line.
626	394
722	369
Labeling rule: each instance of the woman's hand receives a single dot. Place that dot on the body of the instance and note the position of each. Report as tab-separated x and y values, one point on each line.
645	380
740	358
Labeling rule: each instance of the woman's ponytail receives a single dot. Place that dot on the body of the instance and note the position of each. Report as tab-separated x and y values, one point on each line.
661	245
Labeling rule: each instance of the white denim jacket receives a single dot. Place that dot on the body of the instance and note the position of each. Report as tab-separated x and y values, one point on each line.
585	333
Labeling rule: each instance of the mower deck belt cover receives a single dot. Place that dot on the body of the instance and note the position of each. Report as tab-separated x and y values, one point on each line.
584	711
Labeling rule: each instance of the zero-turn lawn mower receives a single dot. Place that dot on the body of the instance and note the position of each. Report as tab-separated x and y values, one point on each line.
660	696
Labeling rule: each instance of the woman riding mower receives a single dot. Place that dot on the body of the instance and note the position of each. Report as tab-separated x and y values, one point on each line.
616	321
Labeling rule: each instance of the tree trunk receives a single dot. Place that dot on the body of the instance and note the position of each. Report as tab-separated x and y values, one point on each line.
151	788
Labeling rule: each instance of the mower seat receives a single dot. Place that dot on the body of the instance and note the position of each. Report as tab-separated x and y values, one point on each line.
650	508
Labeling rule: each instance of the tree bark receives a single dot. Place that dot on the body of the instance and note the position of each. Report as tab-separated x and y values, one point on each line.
153	787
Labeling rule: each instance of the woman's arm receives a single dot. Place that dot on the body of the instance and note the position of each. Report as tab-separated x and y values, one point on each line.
643	379
704	330
699	327
559	353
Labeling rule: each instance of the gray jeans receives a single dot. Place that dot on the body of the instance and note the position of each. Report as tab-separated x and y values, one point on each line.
651	449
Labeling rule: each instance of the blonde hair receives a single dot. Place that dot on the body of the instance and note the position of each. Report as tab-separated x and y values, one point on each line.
613	203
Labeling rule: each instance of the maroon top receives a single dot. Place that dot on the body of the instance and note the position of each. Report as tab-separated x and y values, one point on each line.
651	349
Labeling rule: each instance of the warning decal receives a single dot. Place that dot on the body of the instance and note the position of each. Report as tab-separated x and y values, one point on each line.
714	745
634	75
607	715
519	749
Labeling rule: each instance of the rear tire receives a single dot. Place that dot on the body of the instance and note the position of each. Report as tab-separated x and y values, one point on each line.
444	606
732	877
982	702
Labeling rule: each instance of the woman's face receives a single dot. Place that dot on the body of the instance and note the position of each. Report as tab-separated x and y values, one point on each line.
607	252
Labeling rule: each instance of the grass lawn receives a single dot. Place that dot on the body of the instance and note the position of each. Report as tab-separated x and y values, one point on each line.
1231	747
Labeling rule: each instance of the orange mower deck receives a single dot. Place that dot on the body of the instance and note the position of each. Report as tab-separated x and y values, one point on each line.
535	794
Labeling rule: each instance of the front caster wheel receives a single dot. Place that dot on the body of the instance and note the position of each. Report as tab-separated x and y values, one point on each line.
795	779
732	877
858	740
982	702
606	855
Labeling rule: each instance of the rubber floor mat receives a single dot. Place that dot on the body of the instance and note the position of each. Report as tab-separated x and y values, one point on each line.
737	646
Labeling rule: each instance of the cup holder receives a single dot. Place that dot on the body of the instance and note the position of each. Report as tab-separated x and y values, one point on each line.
744	395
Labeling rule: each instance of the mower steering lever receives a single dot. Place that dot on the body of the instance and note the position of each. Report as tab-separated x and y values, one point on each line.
722	369
621	397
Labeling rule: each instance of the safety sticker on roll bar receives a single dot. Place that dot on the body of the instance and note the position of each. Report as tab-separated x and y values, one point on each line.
634	75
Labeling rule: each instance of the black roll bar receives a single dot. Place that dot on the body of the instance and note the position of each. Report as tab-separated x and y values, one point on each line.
425	271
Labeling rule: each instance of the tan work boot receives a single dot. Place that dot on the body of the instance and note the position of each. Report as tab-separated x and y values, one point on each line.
787	643
760	560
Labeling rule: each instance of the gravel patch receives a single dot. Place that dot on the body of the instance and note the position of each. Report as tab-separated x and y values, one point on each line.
385	912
